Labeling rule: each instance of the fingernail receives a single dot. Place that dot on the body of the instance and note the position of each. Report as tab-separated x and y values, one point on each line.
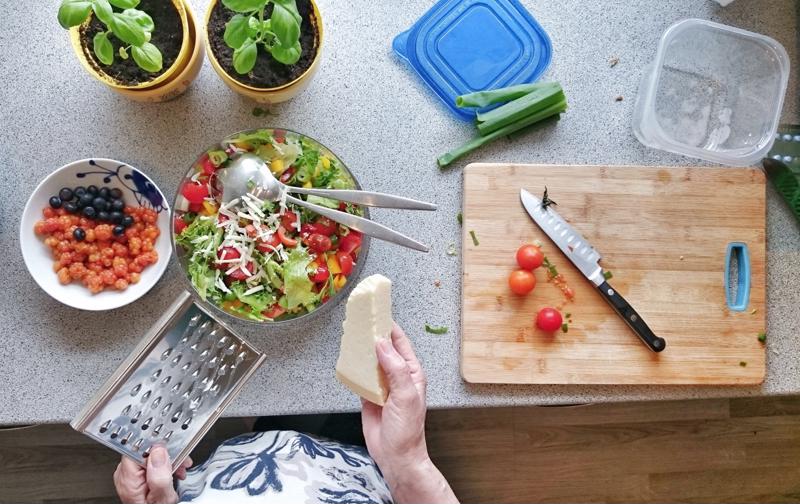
159	457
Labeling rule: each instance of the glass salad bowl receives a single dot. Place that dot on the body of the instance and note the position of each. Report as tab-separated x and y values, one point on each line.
260	261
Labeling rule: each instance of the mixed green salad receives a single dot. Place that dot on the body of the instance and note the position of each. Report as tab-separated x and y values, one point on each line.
264	260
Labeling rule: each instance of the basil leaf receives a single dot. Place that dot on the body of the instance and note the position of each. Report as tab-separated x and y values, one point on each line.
73	12
291	6
148	57
244	58
285	24
127	29
144	19
237	31
102	9
288	56
244	5
124	4
103	48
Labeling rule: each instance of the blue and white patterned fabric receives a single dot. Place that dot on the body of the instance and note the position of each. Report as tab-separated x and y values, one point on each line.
280	467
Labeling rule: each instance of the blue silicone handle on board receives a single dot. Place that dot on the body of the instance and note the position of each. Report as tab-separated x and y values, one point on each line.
737	251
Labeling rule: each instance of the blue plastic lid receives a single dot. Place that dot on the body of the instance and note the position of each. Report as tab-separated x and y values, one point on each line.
462	46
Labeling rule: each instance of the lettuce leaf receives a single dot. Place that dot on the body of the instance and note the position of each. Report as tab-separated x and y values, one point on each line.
257	302
202	277
297	285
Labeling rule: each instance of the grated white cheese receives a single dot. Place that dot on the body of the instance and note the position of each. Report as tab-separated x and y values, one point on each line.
254	290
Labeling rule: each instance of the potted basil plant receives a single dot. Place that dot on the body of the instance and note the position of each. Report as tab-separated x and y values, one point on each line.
144	49
267	50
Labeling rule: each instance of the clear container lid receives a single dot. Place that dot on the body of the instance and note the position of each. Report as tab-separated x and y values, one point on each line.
462	46
714	92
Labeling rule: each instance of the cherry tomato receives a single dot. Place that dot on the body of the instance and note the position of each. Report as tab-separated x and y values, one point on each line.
279	135
529	257
351	242
180	225
227	253
238	274
287	175
195	207
325	226
549	319
321	275
307	230
345	262
285	239
267	245
274	311
250	230
521	282
207	165
222	218
289	220
194	192
319	243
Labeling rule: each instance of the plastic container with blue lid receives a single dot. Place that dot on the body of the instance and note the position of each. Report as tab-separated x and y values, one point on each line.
462	46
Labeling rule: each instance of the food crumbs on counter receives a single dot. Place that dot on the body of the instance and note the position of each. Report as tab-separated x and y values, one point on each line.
568	315
618	98
753	311
681	258
608	275
743	363
260	112
460	218
451	249
613	62
474	238
564	327
437	283
762	337
435	330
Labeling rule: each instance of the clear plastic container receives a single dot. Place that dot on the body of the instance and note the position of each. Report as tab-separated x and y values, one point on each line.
714	92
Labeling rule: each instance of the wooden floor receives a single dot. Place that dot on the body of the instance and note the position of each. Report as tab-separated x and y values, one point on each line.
738	450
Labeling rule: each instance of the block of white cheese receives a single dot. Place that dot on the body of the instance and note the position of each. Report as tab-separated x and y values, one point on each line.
368	318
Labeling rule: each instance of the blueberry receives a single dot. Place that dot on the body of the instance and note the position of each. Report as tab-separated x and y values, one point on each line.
93	190
99	203
127	221
104	192
65	194
89	212
79	234
85	200
118	230
117	205
55	202
79	191
116	217
103	216
116	193
70	207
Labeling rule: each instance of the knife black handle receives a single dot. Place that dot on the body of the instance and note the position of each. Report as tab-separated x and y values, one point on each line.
633	319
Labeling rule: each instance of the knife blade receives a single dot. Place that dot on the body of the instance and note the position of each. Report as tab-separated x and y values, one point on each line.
584	256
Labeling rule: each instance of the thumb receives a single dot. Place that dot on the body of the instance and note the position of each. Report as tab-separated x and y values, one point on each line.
159	478
398	374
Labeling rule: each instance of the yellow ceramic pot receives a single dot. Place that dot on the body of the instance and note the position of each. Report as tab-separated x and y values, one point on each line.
181	80
86	57
267	95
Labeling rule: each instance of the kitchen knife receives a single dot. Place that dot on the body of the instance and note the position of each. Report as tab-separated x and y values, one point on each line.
587	260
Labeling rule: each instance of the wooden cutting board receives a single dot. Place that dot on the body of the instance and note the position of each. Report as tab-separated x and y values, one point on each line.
663	233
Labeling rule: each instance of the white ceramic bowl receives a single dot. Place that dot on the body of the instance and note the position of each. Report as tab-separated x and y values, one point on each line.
137	189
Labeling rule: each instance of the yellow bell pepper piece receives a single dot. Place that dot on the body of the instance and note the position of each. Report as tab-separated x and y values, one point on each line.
326	163
209	208
333	264
243	145
339	281
277	166
307	184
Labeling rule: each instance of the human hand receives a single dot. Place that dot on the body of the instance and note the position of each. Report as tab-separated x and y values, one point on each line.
395	433
151	485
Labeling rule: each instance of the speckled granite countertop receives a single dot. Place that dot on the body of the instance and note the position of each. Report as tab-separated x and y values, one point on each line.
371	110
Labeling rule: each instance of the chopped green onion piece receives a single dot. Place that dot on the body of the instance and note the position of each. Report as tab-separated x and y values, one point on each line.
743	363
474	238
460	219
608	275
480	141
436	330
502	95
762	336
564	327
451	249
551	269
519	109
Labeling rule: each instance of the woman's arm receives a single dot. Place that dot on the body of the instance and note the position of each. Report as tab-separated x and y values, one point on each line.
395	433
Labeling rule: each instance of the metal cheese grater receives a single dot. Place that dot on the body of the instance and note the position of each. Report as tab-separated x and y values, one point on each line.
172	387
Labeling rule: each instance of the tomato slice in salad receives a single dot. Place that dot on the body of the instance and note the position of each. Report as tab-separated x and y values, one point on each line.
351	242
180	225
269	244
274	311
289	221
194	193
238	274
319	243
325	226
226	254
285	238
345	262
321	275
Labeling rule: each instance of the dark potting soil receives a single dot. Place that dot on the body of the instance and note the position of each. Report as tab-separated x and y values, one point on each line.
167	36
268	73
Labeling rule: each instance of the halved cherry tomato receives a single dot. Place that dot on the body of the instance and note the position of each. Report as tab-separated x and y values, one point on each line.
549	319
267	245
289	220
521	282
222	218
286	240
529	257
307	230
351	242
227	253
195	207
321	275
274	311
279	135
319	243
325	226
345	262
238	274
180	225
194	192
287	175
207	165
250	230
